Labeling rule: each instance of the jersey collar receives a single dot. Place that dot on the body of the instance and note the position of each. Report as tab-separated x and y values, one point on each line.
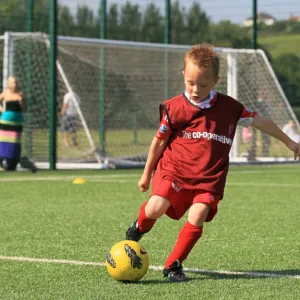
210	101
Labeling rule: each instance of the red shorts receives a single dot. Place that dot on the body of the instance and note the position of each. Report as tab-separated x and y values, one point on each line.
182	199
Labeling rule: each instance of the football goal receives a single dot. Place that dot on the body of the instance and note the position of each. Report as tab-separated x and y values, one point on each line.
120	86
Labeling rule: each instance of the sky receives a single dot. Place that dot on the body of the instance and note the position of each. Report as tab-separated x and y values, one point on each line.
234	10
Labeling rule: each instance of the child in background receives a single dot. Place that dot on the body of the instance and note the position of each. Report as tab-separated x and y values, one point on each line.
290	130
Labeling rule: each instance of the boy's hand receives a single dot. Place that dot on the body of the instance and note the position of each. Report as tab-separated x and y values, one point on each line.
295	148
144	183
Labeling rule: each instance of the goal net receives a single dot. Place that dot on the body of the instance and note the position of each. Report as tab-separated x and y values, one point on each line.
120	86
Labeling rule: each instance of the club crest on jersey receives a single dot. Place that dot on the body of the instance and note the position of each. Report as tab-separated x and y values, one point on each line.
176	187
163	128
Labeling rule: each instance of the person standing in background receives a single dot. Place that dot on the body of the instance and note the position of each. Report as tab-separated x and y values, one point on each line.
290	130
69	115
12	106
264	108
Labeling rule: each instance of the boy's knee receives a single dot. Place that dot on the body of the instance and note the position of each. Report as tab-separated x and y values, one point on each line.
156	207
198	213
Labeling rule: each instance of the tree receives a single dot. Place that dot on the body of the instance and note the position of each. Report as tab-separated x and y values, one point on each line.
153	25
293	27
198	27
66	21
113	23
178	29
41	16
287	68
130	22
240	42
13	16
86	22
225	30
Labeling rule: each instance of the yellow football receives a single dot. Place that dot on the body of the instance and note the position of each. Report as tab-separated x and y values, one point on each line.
127	261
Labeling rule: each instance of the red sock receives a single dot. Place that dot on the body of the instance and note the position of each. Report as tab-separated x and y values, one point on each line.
188	237
145	224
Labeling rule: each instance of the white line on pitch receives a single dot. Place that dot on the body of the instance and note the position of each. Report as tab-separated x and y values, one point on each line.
295	185
156	268
115	179
288	185
266	170
107	176
68	177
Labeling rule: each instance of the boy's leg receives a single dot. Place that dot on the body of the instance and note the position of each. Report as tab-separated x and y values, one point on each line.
187	239
189	234
204	208
150	211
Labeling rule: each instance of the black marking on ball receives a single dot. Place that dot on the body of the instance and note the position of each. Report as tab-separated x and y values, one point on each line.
110	260
135	261
143	252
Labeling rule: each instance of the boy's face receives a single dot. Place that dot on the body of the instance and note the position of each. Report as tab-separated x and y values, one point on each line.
199	81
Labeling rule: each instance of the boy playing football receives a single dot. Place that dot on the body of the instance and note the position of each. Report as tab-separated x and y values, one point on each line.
190	155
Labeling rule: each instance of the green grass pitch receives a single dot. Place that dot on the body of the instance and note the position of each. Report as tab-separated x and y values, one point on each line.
44	216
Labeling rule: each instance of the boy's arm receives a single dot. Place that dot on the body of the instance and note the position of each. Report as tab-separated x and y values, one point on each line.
269	127
157	147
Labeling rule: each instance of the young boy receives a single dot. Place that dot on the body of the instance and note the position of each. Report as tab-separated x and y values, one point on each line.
190	155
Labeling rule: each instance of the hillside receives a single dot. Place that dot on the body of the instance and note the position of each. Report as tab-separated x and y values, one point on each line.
280	44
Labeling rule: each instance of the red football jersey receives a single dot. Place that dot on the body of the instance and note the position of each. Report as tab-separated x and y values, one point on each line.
197	154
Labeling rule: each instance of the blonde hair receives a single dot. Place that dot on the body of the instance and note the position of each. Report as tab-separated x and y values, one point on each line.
12	77
203	56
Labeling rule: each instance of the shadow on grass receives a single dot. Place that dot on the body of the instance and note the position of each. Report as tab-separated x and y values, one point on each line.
160	281
253	274
292	273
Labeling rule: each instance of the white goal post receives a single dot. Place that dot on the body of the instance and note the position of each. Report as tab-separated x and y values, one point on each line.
128	81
